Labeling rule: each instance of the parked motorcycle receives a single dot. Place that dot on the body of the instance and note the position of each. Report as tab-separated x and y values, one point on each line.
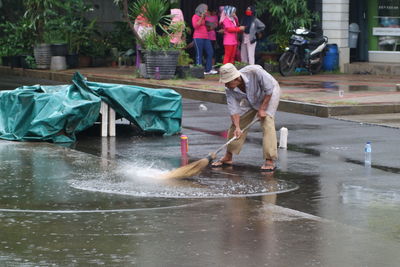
306	50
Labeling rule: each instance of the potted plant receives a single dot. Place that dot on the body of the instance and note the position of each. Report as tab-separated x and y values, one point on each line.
161	56
39	13
16	42
197	71
99	50
6	43
119	39
183	66
78	31
56	36
239	65
271	66
28	62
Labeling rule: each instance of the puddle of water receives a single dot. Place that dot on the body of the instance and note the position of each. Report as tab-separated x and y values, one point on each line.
330	86
46	178
280	214
142	182
353	194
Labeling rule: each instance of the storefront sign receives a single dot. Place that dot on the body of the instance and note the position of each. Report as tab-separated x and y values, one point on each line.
385	31
389	8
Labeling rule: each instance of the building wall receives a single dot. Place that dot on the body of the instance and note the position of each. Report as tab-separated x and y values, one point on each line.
105	12
335	24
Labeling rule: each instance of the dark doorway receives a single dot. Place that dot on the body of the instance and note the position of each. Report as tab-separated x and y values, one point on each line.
358	14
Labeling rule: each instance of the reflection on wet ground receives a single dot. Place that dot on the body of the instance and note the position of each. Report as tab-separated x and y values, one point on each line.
99	204
328	86
63	207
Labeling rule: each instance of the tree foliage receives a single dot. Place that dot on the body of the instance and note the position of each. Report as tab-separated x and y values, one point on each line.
286	16
39	12
155	11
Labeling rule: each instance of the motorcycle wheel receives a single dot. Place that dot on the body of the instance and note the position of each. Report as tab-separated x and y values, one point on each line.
287	63
316	68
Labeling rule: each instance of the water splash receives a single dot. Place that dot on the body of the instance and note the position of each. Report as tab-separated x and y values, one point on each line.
142	181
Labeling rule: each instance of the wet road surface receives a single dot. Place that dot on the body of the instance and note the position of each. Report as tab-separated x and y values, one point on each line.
97	202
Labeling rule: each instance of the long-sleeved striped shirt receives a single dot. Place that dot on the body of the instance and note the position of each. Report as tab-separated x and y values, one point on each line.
259	83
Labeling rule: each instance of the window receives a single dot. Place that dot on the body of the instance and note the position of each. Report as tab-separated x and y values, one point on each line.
388	25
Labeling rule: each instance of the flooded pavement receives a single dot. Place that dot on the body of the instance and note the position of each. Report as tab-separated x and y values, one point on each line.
99	202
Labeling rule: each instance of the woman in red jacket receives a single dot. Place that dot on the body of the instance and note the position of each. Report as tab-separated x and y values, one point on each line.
231	28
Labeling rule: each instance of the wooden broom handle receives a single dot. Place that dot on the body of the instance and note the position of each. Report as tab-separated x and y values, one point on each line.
234	138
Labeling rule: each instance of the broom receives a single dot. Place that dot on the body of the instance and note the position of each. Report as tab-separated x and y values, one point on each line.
195	167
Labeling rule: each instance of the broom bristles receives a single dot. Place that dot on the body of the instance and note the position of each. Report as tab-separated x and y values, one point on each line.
187	170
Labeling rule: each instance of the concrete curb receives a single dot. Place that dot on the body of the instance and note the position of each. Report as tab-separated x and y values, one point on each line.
217	97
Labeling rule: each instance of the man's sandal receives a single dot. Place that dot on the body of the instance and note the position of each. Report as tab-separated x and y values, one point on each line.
220	163
268	168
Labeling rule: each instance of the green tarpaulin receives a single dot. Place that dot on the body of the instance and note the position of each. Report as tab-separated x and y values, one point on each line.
56	113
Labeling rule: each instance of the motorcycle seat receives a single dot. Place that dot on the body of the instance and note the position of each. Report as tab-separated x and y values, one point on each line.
316	42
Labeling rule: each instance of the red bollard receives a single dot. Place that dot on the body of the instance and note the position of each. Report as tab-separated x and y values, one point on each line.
224	134
184	145
184	161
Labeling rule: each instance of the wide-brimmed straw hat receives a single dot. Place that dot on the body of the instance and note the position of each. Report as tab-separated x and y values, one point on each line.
228	72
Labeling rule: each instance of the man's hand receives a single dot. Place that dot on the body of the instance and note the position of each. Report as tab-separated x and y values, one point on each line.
261	114
238	132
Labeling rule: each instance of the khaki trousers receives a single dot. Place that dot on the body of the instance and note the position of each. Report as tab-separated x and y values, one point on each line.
269	135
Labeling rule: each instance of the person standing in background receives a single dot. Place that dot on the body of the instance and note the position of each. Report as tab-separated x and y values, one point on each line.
212	24
201	38
253	26
142	27
178	23
219	51
231	28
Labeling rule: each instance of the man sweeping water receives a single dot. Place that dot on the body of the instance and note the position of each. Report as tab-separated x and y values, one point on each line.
251	92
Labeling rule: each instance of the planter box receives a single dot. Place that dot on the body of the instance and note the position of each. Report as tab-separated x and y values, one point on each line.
271	67
42	54
5	61
161	64
59	50
84	61
98	62
72	61
24	64
182	72
267	56
58	63
143	71
197	72
15	62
